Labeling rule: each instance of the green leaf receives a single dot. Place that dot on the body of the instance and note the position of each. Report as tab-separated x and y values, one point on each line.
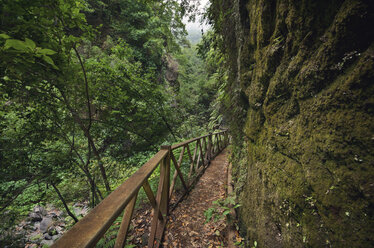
226	212
16	44
116	112
4	36
46	51
209	214
50	61
31	44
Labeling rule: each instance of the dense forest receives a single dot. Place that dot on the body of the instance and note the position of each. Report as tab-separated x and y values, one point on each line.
90	89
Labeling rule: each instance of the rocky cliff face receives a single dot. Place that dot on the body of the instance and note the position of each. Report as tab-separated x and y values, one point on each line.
303	152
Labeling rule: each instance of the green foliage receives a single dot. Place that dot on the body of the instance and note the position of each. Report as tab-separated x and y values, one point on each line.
210	50
44	118
151	28
29	48
221	208
83	90
195	93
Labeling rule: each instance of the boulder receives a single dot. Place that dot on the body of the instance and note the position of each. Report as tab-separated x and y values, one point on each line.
40	210
47	236
29	225
56	237
36	226
34	217
46	242
35	237
45	224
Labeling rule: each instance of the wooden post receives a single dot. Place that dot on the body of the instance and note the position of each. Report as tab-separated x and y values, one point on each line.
191	163
198	146
217	142
125	224
206	152
162	200
202	154
177	172
148	191
165	193
210	146
193	160
214	145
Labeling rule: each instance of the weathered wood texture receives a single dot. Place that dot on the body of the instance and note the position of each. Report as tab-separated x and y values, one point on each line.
88	231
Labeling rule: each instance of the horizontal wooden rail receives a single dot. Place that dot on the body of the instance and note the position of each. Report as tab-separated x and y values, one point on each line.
88	231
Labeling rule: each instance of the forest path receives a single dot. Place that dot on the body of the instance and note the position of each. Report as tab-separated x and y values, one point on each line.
186	224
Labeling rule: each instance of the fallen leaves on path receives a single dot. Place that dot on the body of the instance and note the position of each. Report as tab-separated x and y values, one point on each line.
186	224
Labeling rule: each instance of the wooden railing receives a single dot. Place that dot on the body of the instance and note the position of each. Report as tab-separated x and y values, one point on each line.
88	231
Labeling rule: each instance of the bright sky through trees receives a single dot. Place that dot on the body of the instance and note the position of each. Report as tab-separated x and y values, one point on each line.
194	28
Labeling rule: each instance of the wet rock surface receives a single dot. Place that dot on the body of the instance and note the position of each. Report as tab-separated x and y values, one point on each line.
300	85
43	226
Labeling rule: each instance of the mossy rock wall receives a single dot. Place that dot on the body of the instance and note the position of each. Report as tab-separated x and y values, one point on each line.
303	161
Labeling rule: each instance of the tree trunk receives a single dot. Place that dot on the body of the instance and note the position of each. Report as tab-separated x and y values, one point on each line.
64	202
86	132
101	166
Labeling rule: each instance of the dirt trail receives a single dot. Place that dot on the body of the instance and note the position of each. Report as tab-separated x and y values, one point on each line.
186	225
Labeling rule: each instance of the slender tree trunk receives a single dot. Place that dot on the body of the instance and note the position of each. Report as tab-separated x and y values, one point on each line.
93	187
99	192
86	171
94	196
168	126
101	166
84	167
64	202
87	129
86	132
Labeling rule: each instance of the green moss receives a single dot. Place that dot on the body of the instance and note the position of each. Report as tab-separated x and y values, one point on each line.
36	237
304	173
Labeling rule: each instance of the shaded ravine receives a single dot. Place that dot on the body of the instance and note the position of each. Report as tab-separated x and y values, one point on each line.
186	224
